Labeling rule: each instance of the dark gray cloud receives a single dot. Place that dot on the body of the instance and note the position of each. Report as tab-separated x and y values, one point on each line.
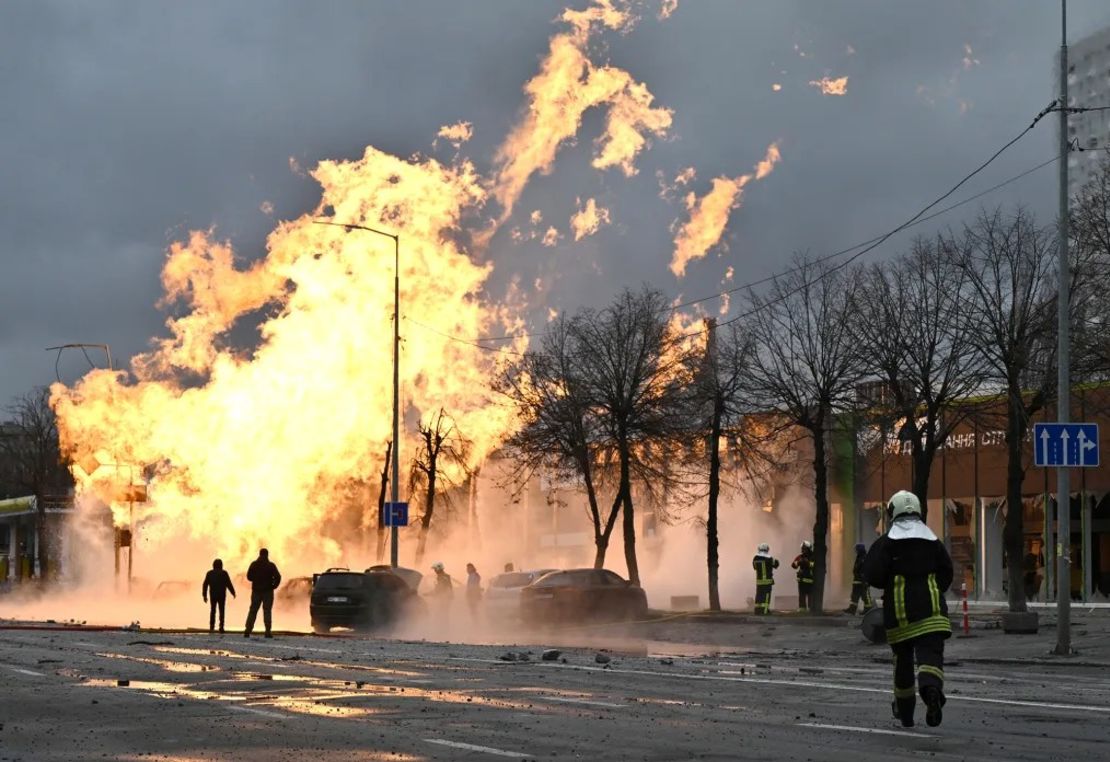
123	125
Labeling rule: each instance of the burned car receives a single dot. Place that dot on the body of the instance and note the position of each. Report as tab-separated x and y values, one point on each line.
581	595
356	600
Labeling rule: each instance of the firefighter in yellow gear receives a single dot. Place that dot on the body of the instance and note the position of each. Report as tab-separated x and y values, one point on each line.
764	566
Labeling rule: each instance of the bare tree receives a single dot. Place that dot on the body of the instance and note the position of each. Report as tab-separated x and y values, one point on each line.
806	367
30	458
717	403
559	431
630	363
1091	239
440	445
1010	264
910	320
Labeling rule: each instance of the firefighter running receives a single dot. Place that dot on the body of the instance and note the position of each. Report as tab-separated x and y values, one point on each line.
803	562
764	567
861	591
914	570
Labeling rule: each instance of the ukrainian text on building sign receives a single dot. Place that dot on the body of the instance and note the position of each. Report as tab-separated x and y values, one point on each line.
1065	444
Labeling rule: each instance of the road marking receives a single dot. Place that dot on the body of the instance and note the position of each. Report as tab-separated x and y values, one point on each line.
829	686
30	672
851	729
474	747
309	648
263	712
587	702
486	661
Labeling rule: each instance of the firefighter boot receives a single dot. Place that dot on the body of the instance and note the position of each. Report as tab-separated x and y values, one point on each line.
934	701
902	709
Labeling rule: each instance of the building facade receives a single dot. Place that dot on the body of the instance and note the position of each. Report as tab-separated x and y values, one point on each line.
1088	86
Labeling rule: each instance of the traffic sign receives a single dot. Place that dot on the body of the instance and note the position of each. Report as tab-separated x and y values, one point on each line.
1065	444
395	515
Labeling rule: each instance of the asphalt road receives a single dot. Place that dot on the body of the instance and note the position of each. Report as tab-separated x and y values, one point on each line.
196	696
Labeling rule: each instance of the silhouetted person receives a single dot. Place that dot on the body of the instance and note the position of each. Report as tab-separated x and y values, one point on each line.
509	567
264	578
217	584
473	589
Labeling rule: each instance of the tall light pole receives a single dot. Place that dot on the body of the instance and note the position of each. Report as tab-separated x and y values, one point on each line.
394	492
1063	378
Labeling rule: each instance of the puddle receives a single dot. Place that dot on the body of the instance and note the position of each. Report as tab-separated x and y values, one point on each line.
166	664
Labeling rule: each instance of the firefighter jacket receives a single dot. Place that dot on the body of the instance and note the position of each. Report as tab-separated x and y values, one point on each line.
804	564
914	570
764	569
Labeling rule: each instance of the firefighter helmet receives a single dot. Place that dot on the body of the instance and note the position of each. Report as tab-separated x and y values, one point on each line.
903	503
437	566
764	548
807	545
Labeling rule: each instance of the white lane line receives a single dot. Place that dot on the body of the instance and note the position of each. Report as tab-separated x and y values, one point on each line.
829	686
30	672
85	643
309	648
475	747
485	661
586	702
263	712
851	729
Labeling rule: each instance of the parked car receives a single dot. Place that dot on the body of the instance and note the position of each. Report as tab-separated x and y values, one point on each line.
581	594
503	591
359	600
411	576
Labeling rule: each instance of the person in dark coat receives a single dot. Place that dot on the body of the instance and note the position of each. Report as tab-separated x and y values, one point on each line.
764	566
914	570
264	578
217	584
861	591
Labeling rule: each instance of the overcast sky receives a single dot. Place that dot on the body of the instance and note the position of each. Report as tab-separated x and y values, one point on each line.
125	124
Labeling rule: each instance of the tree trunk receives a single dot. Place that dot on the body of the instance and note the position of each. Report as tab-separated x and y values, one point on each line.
1013	533
711	549
821	520
922	465
602	544
426	520
625	493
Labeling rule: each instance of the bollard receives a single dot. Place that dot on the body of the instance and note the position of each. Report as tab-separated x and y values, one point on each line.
963	594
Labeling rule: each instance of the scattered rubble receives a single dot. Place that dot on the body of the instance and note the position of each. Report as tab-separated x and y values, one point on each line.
551	654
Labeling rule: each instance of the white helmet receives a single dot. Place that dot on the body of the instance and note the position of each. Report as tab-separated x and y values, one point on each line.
903	503
437	566
764	548
807	545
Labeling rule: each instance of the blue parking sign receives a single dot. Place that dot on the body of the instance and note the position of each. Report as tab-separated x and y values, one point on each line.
395	515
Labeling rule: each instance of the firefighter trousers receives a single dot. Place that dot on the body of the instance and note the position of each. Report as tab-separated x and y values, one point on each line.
805	596
861	591
763	599
928	653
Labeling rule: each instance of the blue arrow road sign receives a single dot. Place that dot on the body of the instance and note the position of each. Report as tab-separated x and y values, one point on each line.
395	514
1065	444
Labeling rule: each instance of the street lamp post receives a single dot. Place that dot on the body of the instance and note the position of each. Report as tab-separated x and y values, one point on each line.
394	491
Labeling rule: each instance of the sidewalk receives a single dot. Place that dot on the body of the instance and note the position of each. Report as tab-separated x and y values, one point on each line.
839	634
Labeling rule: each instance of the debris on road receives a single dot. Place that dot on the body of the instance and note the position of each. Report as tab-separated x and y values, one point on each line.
123	683
551	654
602	658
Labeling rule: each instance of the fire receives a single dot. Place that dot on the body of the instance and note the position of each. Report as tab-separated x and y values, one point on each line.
568	85
667	8
830	86
456	134
709	214
262	446
588	219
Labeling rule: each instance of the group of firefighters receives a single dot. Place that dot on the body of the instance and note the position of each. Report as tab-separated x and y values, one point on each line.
913	569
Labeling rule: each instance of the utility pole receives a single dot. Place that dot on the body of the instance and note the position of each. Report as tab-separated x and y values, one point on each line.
394	489
1063	381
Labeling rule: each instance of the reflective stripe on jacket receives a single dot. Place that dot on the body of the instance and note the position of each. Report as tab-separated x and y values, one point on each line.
914	574
764	569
